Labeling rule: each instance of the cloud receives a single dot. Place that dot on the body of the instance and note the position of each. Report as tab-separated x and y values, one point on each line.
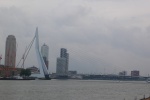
99	34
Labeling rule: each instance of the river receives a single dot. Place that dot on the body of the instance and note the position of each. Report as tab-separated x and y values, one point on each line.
72	90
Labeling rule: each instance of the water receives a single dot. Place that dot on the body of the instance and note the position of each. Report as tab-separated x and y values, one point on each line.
72	90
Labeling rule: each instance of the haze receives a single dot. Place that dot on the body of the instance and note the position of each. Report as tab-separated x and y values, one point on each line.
101	36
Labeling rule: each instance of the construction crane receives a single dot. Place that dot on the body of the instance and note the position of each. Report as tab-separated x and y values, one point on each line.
27	50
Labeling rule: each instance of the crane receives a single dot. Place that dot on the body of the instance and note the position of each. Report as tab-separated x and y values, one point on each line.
25	54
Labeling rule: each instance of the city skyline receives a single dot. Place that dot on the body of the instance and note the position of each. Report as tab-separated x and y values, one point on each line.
101	35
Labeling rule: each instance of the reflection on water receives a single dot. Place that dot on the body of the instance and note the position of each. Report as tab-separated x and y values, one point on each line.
72	90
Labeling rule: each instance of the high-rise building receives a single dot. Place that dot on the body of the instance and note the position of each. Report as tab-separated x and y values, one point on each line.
63	62
63	53
67	62
45	54
61	65
10	51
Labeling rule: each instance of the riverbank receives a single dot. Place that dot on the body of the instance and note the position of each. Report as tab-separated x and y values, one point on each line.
17	79
145	98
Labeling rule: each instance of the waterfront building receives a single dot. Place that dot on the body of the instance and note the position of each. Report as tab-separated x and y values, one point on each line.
10	51
72	72
9	71
135	73
123	73
67	62
45	54
61	66
33	69
63	62
64	54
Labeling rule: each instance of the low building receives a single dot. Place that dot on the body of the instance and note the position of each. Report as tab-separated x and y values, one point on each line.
72	72
6	71
123	73
135	73
33	69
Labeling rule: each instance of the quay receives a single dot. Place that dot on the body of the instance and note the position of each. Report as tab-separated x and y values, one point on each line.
145	98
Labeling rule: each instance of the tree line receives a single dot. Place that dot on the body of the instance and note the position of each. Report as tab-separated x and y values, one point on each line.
25	73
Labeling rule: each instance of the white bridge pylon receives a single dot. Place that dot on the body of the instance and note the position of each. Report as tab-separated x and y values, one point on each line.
42	66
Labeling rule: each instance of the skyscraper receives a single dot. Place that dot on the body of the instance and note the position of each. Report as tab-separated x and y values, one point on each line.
45	54
62	62
10	51
63	53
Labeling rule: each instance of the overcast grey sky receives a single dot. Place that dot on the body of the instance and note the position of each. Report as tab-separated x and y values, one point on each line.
101	36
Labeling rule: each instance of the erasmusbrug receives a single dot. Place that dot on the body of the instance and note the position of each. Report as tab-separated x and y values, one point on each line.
42	66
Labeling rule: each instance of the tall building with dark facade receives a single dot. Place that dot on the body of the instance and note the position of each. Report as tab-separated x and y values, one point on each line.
10	51
45	54
62	62
63	53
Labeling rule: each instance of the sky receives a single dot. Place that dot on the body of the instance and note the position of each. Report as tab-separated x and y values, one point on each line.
101	36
